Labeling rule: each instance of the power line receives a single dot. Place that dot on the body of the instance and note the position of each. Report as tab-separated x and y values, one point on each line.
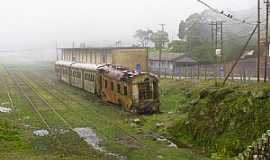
230	16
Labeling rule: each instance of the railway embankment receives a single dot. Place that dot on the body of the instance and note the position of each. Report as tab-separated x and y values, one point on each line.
220	120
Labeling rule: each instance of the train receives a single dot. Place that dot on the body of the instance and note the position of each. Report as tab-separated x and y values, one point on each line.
136	92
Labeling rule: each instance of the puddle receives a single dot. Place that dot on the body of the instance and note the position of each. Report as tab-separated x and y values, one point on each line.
41	133
5	110
91	138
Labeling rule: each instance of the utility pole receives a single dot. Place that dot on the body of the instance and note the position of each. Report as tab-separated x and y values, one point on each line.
266	41
221	42
163	30
161	45
216	44
259	39
240	55
217	41
212	36
118	44
162	27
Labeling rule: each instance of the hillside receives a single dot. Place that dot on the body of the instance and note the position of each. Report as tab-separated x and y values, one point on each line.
221	121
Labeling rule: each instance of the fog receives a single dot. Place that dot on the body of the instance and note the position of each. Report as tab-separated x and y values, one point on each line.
39	24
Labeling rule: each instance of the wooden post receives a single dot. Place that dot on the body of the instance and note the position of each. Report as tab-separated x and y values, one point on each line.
191	72
244	74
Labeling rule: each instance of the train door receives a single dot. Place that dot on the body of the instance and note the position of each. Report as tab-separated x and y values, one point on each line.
98	84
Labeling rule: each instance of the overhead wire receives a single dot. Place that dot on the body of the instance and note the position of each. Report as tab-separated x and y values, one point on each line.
229	16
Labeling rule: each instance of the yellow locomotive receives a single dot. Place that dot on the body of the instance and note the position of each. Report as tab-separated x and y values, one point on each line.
136	92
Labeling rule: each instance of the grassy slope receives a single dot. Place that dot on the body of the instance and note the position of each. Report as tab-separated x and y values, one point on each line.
220	120
90	112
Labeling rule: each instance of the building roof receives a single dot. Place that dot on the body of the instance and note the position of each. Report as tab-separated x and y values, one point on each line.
102	48
166	56
185	60
176	57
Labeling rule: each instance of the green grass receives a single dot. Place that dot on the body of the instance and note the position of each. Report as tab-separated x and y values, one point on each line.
82	109
221	120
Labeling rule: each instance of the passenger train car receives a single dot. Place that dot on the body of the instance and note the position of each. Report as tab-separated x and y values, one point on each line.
136	92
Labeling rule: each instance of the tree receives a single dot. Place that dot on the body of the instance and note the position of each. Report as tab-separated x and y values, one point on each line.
182	30
177	46
143	36
159	38
203	54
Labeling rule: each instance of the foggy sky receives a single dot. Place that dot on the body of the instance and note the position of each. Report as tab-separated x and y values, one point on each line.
40	23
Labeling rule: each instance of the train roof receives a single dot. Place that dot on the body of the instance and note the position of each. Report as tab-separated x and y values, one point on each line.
64	63
122	73
85	66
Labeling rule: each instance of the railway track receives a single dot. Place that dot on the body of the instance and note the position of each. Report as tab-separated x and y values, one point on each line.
45	86
94	111
38	103
7	89
33	105
46	89
21	83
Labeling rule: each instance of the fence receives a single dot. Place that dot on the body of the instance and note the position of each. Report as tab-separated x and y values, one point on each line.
242	72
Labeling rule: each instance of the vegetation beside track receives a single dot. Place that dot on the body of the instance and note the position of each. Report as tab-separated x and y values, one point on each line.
220	120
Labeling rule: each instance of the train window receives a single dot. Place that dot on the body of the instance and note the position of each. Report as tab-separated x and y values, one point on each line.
112	87
76	74
118	88
106	83
87	76
145	90
125	90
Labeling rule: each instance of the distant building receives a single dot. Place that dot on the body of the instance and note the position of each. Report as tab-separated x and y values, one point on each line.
171	63
131	57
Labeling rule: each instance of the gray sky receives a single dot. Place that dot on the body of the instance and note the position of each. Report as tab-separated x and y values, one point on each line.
39	23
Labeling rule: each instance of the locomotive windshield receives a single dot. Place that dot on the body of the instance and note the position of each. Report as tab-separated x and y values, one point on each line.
145	90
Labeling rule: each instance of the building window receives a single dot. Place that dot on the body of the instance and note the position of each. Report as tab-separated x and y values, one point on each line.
106	84
118	88
112	87
125	90
104	59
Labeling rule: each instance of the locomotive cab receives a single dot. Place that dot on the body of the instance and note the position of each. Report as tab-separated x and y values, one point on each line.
145	93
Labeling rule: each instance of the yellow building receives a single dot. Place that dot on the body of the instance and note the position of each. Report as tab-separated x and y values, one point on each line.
133	58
